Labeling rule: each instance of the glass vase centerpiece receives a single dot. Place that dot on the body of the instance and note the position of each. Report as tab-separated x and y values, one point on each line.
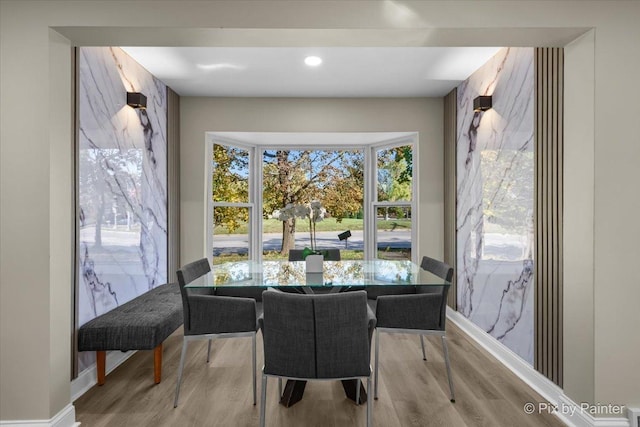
314	213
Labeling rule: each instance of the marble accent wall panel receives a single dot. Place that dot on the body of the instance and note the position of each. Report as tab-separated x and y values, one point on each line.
495	200
122	177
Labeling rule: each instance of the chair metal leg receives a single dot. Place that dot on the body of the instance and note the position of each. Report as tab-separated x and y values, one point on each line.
424	355
375	379
446	360
253	371
209	350
369	403
279	388
180	368
263	400
358	392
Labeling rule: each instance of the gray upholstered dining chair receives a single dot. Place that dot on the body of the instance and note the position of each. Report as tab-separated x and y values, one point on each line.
316	337
329	254
422	312
209	316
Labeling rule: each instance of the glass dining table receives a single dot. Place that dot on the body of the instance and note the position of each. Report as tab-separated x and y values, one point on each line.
337	276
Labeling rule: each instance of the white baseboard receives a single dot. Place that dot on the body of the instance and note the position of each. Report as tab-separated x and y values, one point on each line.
88	378
569	411
64	418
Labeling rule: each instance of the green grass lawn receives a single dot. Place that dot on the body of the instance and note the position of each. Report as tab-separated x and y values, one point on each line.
275	255
344	255
330	224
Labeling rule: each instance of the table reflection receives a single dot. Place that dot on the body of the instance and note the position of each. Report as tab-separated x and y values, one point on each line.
336	273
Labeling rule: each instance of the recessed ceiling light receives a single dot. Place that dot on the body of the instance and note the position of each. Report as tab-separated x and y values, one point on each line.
313	61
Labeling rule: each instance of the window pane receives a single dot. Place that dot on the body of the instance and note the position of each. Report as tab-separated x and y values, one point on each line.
230	181
506	232
395	170
334	178
393	232
230	234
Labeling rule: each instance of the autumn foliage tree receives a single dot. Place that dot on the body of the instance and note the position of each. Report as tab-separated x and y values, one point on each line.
332	177
344	196
230	184
395	170
335	178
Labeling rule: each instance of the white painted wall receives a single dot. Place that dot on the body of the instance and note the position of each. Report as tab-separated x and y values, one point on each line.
578	255
61	224
199	115
35	183
616	207
29	178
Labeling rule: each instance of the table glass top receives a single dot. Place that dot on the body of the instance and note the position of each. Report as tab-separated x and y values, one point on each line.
336	273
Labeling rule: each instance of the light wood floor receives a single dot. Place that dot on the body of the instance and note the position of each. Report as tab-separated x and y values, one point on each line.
412	392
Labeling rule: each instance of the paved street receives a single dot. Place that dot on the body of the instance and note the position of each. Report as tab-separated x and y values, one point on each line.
229	243
495	246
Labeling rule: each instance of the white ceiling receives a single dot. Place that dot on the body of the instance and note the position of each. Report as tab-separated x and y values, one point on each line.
281	72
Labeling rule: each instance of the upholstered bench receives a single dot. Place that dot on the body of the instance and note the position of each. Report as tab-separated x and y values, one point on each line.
140	324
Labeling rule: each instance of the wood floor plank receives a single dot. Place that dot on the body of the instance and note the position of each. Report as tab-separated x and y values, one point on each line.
412	392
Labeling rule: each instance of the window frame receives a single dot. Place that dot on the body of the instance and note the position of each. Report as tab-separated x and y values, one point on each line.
371	232
250	204
370	202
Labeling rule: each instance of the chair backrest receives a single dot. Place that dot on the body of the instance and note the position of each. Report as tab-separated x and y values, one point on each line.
438	268
316	336
444	271
192	271
329	254
295	255
186	275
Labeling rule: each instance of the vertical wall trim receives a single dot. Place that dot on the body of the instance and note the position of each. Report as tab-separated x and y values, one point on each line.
549	87
173	184
76	210
450	138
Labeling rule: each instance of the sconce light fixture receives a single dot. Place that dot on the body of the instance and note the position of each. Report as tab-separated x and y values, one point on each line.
482	103
136	100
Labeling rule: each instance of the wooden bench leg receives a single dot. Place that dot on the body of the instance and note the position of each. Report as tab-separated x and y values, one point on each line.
157	363
101	362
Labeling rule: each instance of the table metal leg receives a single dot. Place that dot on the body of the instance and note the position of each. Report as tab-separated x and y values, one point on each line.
293	392
350	387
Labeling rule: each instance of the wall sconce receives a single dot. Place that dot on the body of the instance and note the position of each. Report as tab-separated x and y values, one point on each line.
482	103
136	100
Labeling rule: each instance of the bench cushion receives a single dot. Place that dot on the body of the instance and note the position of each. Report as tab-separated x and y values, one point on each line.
140	324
